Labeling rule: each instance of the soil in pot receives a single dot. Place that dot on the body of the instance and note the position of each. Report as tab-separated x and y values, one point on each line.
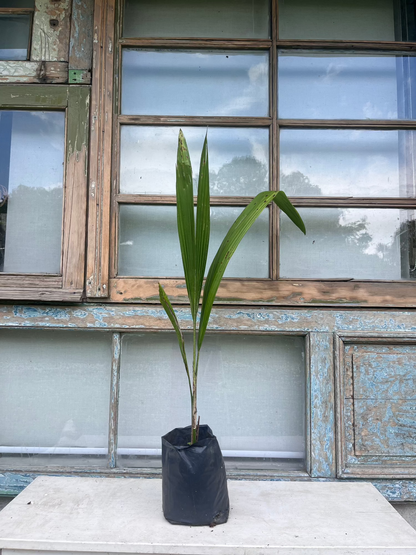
194	483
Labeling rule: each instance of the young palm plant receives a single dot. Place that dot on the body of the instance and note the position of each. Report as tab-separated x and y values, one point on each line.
194	241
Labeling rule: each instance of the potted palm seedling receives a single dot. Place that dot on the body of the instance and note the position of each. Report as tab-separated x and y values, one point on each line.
193	475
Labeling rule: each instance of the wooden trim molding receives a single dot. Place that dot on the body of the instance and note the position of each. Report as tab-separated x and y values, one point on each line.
100	153
285	292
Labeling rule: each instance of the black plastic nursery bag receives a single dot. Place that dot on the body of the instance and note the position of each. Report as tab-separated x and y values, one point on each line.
194	484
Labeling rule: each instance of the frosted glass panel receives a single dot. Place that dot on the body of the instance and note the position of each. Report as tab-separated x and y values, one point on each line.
238	159
206	83
31	191
14	36
245	19
350	243
337	19
251	393
149	245
338	86
344	162
54	397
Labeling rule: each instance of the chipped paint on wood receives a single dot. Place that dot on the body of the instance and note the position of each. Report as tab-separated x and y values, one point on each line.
322	411
122	317
385	428
51	29
80	46
33	72
376	419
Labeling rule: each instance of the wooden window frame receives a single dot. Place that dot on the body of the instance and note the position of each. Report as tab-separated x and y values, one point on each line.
69	284
102	280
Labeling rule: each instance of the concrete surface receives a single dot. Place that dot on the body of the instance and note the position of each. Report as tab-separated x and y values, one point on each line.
120	515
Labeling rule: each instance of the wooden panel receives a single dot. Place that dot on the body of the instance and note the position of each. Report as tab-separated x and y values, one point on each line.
376	416
266	292
322	409
101	150
80	45
75	206
33	72
51	29
385	428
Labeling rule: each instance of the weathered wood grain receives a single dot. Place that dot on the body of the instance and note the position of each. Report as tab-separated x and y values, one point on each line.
385	428
114	398
285	292
41	293
81	39
376	405
385	375
75	206
33	72
51	29
100	151
322	407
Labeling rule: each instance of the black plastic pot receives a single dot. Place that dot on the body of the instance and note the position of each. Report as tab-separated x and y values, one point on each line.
194	483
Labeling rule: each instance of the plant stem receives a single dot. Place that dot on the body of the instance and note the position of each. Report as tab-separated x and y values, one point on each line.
195	362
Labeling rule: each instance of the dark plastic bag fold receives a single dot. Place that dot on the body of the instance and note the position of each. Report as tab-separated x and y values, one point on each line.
194	483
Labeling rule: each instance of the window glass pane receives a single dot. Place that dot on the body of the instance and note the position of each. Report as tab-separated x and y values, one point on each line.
14	37
238	159
206	83
345	162
357	243
54	398
339	86
337	19
251	393
31	183
187	18
149	245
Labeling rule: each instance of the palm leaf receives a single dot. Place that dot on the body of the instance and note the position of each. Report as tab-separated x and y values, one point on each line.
230	243
202	219
287	207
164	301
186	221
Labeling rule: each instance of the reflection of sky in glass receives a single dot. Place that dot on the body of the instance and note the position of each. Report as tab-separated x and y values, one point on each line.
356	243
345	162
195	83
14	37
31	171
238	159
149	244
343	87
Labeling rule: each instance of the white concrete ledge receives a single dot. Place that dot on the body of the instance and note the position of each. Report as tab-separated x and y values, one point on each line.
57	516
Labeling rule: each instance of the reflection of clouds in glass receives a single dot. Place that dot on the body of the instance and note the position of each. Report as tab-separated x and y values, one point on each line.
345	163
148	154
338	86
332	70
381	227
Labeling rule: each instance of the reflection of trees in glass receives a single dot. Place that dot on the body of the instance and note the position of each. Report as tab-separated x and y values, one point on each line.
338	243
243	176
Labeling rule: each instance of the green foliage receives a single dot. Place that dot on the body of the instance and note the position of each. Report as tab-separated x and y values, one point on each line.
194	242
